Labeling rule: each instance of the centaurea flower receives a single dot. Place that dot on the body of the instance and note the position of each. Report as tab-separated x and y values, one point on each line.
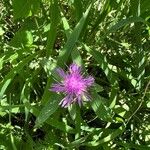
73	84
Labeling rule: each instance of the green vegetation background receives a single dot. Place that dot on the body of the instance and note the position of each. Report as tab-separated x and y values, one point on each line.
110	39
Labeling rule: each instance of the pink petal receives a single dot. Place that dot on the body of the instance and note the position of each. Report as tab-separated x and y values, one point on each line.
61	72
65	102
57	88
89	81
79	100
74	68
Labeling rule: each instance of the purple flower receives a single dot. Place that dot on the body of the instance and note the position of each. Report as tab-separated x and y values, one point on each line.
73	84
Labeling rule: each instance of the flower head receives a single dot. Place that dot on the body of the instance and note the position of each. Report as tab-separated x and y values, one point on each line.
73	84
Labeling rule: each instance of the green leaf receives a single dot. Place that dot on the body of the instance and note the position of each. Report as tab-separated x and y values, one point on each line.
77	142
52	121
133	146
102	61
55	19
108	138
49	67
75	114
48	109
60	125
148	105
75	54
1	31
22	38
125	22
102	111
66	26
145	8
9	77
78	9
25	8
66	51
100	18
1	61
98	88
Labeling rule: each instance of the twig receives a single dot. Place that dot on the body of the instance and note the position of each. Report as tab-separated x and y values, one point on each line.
140	102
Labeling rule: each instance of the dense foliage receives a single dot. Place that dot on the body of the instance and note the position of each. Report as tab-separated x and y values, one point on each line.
110	39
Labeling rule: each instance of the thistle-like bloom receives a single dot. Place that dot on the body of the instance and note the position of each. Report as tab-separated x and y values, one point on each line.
73	84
